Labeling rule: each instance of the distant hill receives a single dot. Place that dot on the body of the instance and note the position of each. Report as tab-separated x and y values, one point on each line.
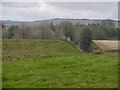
59	20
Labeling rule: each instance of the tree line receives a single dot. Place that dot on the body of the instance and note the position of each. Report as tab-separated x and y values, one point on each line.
79	34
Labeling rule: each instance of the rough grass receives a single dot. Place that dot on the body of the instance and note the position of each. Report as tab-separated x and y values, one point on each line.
46	64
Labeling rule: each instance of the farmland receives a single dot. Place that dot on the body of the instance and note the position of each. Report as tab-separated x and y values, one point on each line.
107	44
55	63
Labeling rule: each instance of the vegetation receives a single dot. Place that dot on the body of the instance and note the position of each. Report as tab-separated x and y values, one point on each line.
50	61
55	63
11	31
104	30
65	30
86	39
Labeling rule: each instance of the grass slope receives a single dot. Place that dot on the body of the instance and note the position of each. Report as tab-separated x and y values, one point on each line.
39	64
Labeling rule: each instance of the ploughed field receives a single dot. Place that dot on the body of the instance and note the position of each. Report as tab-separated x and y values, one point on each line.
37	63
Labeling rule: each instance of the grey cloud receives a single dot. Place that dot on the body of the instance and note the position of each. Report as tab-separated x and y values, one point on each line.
24	13
38	10
103	7
20	4
84	5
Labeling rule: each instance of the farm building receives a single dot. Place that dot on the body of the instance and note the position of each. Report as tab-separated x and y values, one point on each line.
105	46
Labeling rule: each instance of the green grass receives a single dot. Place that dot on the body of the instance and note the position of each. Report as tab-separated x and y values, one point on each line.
54	64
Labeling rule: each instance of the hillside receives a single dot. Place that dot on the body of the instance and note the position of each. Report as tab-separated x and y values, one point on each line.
36	48
55	64
59	20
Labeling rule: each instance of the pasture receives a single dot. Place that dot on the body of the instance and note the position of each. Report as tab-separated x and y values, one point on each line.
55	64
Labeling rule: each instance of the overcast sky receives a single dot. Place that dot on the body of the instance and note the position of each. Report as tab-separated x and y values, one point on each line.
48	10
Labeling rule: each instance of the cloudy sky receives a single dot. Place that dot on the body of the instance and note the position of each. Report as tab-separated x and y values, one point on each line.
48	10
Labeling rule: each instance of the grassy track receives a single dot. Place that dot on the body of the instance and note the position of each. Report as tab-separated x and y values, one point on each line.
38	63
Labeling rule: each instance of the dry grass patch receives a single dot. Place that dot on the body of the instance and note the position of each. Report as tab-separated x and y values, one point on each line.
107	45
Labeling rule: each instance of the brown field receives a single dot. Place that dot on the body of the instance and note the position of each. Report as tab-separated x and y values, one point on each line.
107	44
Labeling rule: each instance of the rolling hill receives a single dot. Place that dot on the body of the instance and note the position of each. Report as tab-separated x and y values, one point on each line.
55	64
59	20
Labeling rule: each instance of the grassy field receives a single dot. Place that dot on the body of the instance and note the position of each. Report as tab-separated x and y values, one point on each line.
54	64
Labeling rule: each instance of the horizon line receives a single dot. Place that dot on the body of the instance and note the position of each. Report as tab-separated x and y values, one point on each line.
60	18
